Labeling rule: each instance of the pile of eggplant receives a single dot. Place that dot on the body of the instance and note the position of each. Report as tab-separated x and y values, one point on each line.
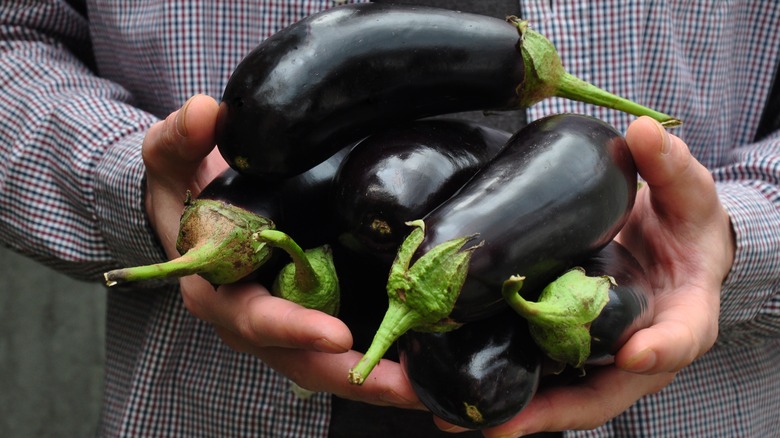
491	252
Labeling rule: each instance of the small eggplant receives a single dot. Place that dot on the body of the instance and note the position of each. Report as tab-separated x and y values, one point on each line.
558	192
226	235
477	376
402	173
337	76
588	313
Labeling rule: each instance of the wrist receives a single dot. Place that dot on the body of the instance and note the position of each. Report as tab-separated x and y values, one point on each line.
753	276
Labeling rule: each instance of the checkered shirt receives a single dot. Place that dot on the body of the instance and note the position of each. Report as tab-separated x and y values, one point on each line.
78	93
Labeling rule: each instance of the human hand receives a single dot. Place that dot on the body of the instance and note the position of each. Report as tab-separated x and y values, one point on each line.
308	346
682	236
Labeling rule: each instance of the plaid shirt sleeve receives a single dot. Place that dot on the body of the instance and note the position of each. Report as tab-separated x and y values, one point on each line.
749	189
72	174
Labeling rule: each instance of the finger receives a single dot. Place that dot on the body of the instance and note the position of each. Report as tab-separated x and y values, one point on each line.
602	395
680	186
322	372
178	144
173	151
262	320
683	329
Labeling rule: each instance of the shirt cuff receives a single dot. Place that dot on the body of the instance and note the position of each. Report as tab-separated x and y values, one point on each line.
752	281
120	181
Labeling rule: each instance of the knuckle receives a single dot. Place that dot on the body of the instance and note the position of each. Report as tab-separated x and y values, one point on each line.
245	326
192	302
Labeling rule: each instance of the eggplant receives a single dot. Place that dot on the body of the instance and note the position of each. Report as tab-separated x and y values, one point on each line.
297	205
388	178
588	313
558	192
478	376
402	173
227	235
336	76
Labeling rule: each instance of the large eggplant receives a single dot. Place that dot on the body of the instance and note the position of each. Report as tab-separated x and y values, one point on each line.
336	76
587	314
558	192
477	376
402	173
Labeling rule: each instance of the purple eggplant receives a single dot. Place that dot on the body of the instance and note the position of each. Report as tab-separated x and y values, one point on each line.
299	206
477	376
402	173
558	192
339	75
588	313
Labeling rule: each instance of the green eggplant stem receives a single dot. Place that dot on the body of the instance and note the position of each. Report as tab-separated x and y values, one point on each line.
310	279
398	319
511	293
193	262
545	77
537	312
420	296
215	241
305	276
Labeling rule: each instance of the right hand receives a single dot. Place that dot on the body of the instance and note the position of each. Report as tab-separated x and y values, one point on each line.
681	234
308	346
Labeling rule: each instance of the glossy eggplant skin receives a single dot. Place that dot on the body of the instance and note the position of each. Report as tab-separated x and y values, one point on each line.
336	76
298	205
400	174
477	376
558	192
631	302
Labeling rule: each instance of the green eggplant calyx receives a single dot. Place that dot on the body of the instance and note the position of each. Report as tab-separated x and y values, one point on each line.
215	240
559	322
310	279
546	77
543	67
420	296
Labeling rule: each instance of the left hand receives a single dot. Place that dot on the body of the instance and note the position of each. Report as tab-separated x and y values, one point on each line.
682	236
308	346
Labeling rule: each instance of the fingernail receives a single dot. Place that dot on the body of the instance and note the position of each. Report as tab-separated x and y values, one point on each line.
326	346
181	116
454	429
640	362
515	434
666	144
393	398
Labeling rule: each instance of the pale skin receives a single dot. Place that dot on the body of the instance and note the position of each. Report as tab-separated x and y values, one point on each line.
678	230
683	237
310	347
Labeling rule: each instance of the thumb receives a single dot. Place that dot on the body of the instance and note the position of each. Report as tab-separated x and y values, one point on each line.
676	230
179	157
681	188
176	146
